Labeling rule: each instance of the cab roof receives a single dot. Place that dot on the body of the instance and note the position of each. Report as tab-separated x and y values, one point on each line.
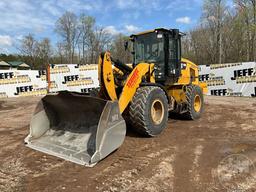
158	29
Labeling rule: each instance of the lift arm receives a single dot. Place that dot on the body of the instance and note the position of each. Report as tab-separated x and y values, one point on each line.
107	83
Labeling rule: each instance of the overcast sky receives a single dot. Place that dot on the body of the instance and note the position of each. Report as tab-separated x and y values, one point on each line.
20	17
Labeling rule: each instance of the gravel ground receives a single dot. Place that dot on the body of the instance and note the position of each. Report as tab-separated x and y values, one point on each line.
214	153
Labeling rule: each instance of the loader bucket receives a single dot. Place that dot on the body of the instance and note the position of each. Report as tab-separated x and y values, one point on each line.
75	127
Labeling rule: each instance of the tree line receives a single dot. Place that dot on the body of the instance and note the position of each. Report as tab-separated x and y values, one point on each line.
82	40
224	34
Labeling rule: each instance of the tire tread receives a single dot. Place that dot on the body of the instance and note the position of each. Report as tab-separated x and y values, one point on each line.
137	110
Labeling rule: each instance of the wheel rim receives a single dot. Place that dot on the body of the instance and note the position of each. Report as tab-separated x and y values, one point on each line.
197	103
157	111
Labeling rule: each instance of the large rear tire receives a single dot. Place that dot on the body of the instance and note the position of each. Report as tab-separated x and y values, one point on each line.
195	102
148	111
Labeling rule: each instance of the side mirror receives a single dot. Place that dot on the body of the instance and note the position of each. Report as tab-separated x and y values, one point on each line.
126	45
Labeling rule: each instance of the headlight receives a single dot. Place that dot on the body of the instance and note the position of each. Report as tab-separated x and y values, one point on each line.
183	65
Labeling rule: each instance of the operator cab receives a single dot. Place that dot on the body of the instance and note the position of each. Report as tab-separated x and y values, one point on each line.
161	47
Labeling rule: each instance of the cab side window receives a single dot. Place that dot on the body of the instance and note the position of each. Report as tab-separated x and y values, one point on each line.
173	49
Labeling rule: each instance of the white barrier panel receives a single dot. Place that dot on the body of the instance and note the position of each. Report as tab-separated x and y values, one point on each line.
73	77
14	83
232	79
235	79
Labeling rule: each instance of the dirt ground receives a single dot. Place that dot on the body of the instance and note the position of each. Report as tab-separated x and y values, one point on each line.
214	153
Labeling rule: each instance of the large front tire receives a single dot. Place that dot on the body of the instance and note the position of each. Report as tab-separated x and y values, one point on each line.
195	102
148	111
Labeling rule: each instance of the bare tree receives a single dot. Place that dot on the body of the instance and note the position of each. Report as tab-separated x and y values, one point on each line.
214	12
102	42
45	50
67	28
118	49
247	9
61	50
97	41
86	27
29	48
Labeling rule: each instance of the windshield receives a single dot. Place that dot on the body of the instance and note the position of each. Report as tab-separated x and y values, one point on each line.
149	48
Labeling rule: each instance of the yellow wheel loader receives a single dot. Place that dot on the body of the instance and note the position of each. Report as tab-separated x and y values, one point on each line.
86	128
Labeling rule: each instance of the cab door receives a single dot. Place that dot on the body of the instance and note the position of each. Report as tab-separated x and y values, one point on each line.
174	58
